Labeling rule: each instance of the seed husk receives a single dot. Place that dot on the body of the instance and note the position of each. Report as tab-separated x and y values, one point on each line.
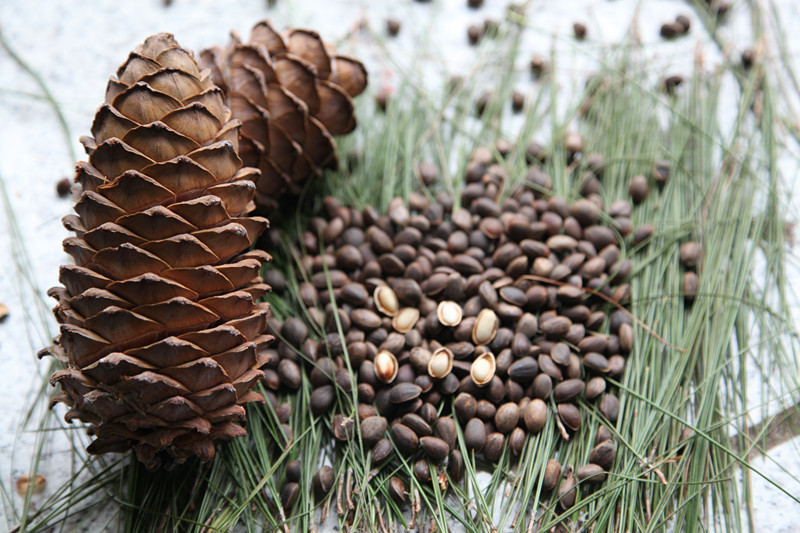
603	454
523	370
385	300
385	365
449	313
570	416
405	319
485	327
568	390
434	447
25	481
625	337
495	443
690	253
483	369
373	430
289	373
534	415
639	189
405	439
506	417
591	473
441	363
475	434
552	473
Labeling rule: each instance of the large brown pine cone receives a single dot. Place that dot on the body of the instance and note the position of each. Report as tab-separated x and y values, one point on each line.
162	335
293	93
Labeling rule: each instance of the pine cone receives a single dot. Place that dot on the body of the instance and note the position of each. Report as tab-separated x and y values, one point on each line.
292	94
161	333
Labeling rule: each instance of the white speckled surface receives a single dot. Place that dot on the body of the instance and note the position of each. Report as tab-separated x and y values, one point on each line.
75	46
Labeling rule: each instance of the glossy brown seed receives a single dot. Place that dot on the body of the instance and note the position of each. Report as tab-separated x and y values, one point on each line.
639	189
542	386
495	444
323	481
404	438
445	429
595	387
691	283
642	233
523	370
417	424
661	171
603	433
547	366
559	353
568	390
552	473
625	334
609	406
596	362
343	427
397	490
593	343
556	328
422	471
382	450
465	407
567	493
570	416
516	440
289	494
534	415
506	417
321	399
603	454
404	392
690	253
434	447
475	434
365	319
373	429
455	465
573	142
591	473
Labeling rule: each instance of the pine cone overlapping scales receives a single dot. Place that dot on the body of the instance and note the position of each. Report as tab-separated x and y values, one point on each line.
293	93
162	335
